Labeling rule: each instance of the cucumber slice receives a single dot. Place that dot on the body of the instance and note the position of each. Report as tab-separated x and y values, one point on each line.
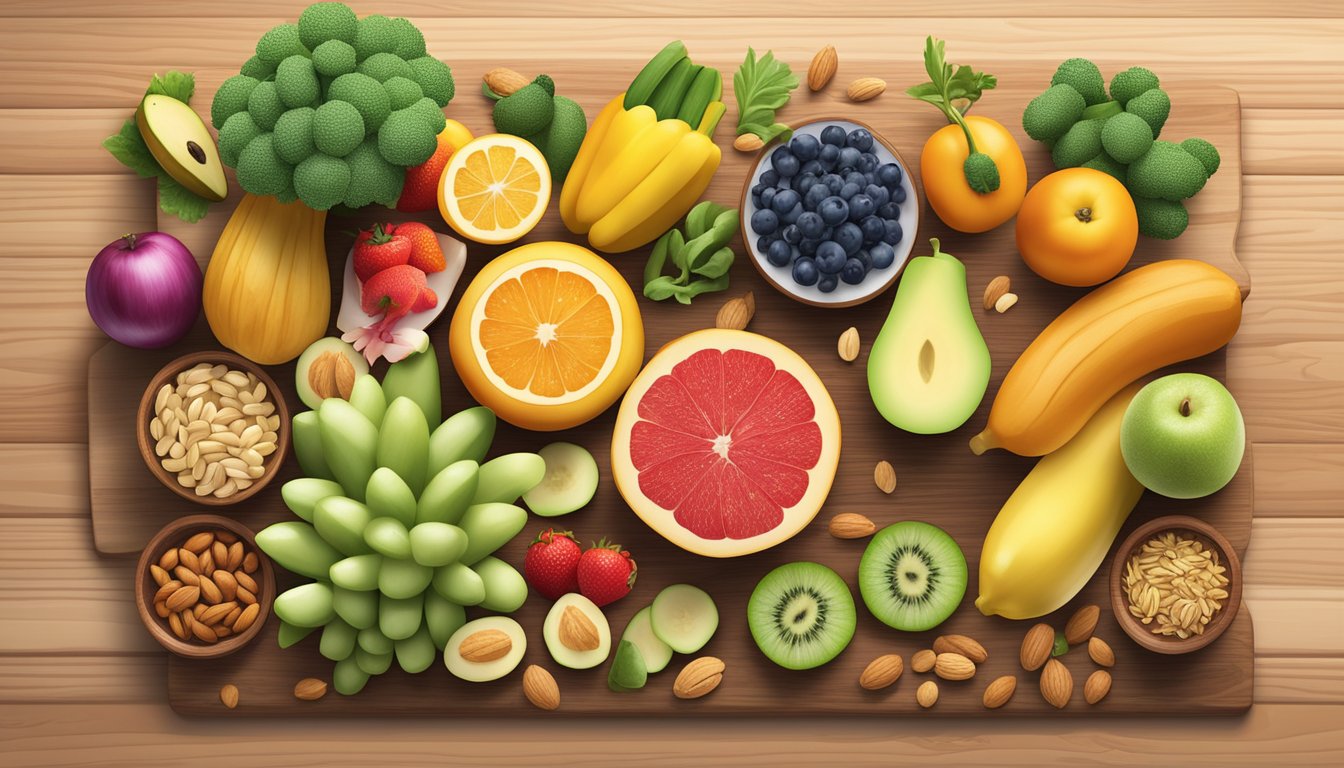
569	483
639	631
684	617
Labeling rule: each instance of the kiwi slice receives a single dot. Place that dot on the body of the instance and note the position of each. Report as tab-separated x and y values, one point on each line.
801	615
912	576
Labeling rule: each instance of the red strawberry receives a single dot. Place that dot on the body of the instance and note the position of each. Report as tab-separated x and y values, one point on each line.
428	300
420	190
426	255
552	562
377	249
392	292
606	573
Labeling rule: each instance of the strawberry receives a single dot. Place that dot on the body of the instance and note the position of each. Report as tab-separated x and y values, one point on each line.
420	191
378	249
426	255
606	573
428	300
393	291
551	565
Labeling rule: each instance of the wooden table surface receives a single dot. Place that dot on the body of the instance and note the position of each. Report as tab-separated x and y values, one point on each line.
82	683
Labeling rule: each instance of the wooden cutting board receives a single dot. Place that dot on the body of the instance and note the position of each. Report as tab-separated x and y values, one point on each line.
939	479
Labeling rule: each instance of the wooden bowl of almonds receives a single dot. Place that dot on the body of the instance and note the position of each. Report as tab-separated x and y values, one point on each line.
213	428
203	588
1175	584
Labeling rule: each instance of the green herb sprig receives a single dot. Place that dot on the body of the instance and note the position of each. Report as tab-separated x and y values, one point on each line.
701	257
953	90
762	87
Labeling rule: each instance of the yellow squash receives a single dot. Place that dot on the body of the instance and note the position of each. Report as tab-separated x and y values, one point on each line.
267	291
1146	319
1056	528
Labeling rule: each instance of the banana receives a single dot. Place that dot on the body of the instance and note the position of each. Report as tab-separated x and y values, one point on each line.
631	164
583	163
661	198
707	87
667	99
1055	529
646	82
625	127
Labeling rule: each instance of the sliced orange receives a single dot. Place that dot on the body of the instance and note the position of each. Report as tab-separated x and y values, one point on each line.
495	189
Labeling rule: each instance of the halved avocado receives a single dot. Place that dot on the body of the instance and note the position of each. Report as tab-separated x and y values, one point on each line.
180	142
485	649
327	368
576	632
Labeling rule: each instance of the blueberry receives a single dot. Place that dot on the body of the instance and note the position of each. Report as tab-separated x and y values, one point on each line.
784	200
861	206
849	190
854	177
756	200
763	242
804	181
898	195
813	197
868	162
810	224
827	283
808	247
811	166
770	178
778	253
791	216
764	222
865	259
873	229
833	182
833	210
805	271
889	175
849	237
894	232
786	163
883	255
784	184
830	257
826	233
833	135
830	154
793	252
889	211
805	147
792	234
768	196
880	195
860	139
849	158
853	272
757	190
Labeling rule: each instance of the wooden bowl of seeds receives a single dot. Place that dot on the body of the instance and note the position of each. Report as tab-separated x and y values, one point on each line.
1175	584
213	428
203	588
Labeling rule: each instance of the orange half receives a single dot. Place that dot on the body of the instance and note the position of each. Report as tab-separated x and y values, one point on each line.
495	189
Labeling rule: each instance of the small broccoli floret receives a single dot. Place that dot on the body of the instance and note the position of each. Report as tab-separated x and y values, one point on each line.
231	98
434	78
235	134
1132	82
560	141
527	110
410	40
405	139
260	169
375	34
334	58
366	94
379	180
257	69
281	42
1051	114
1163	219
296	82
1081	143
402	92
321	22
338	128
384	66
264	105
1126	137
1108	165
321	181
293	135
1153	105
1085	78
431	113
982	175
1204	152
1166	172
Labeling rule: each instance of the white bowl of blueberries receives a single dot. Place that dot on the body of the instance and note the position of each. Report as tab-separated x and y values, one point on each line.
830	217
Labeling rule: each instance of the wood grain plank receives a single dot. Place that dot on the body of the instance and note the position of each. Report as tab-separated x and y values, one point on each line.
1287	141
1297	388
120	678
1299	681
1298	479
44	480
1296	621
64	141
1295	551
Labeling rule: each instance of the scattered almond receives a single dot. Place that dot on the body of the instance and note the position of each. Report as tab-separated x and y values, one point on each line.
736	312
822	68
748	142
1000	691
1100	651
1082	624
485	645
885	476
577	631
927	694
1097	686
1036	647
228	695
1005	302
848	346
851	525
866	89
881	672
505	81
1056	684
923	660
698	678
310	689
953	666
540	688
996	288
966	646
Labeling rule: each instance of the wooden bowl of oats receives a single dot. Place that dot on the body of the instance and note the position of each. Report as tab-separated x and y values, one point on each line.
213	428
1175	584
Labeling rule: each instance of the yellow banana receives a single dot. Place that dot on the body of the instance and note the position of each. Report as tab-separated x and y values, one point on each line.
1054	531
651	228
583	163
628	167
625	128
680	178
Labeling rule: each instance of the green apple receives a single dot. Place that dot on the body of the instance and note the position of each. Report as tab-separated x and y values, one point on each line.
1183	436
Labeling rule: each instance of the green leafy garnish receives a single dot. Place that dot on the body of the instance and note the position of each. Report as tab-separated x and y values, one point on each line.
1061	645
174	85
953	90
762	87
700	257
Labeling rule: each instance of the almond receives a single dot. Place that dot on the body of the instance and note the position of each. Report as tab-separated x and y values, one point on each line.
207	562
188	558
345	377
166	589
736	312
866	89
204	633
923	660
215	614
540	688
577	631
953	666
822	68
885	476
228	695
310	689
235	556
1005	302
996	288
848	345
182	598
161	609
228	585
246	596
1097	686
219	552
851	525
1036	647
250	563
1056	684
246	618
966	646
1082	624
1000	691
210	591
159	575
169	560
927	694
226	537
186	575
505	81
199	542
748	142
175	624
1100	651
881	672
486	645
698	678
245	581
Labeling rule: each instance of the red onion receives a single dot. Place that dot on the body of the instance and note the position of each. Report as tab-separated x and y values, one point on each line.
144	290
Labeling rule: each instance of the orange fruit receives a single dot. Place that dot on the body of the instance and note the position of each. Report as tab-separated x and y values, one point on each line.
1077	227
420	190
495	189
547	336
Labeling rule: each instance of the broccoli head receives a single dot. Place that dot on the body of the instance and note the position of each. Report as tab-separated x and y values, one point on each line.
264	105
527	110
334	58
337	128
322	22
281	42
260	169
1204	152
402	92
293	135
405	139
321	181
375	34
431	113
257	69
410	41
1132	82
1166	172
378	180
231	98
1085	78
1081	143
384	66
1108	165
365	94
434	78
1050	115
235	134
296	82
1163	219
1126	137
1153	105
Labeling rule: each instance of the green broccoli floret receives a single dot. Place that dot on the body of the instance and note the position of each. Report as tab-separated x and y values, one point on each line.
321	22
375	34
366	94
1204	152
1166	172
402	92
257	69
1051	114
527	110
260	169
321	181
296	82
334	58
560	141
281	42
410	40
431	113
384	66
1132	82
378	180
231	98
434	78
264	105
404	139
235	134
1081	143
1108	165
338	128
1126	137
1153	105
982	174
1085	78
1163	219
293	135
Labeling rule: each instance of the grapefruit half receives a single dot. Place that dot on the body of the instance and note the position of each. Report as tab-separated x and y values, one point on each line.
726	443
